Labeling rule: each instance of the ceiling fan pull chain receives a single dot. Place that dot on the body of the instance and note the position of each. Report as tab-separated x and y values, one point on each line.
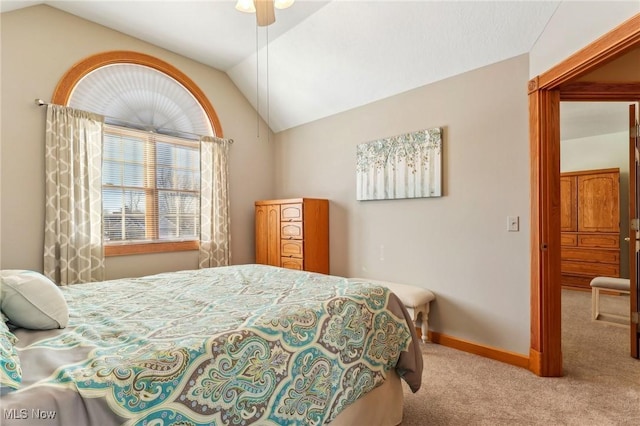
257	86
268	92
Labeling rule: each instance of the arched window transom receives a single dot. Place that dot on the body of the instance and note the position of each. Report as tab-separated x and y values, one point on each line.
139	96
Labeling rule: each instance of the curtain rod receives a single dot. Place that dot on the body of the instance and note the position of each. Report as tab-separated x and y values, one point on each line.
40	102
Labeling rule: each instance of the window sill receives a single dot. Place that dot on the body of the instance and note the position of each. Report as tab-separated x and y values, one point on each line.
146	248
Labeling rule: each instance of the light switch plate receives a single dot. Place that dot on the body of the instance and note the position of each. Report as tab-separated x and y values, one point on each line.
513	223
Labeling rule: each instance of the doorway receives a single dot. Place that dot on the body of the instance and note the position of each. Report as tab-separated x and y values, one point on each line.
594	143
594	136
545	92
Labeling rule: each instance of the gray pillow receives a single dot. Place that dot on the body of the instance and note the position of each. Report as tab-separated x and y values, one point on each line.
31	300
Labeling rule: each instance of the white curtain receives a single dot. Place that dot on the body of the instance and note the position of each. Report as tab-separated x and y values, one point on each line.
215	239
73	251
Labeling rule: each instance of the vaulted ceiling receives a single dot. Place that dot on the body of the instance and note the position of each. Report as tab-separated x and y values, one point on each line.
323	57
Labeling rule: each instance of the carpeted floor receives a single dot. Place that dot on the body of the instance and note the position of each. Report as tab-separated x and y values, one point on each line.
601	385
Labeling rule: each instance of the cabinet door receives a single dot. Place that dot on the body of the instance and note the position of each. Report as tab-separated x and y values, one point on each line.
568	204
273	235
261	234
599	203
268	235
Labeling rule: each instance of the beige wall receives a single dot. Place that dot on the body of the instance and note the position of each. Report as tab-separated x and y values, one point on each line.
39	44
457	245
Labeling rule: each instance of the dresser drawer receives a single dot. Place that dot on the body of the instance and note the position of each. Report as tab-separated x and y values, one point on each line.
291	248
291	230
289	212
590	255
599	240
291	263
589	269
568	239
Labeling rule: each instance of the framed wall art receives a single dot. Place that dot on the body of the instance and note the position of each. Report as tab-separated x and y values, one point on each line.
403	166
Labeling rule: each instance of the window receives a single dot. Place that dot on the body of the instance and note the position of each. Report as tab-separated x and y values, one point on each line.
148	204
150	187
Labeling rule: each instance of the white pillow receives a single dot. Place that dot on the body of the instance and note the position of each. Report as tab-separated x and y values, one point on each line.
31	300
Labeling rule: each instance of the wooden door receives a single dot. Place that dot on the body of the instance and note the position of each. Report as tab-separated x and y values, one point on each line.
568	206
273	235
268	235
261	234
599	203
634	232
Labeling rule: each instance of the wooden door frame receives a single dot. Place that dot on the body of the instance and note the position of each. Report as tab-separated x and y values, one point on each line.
633	213
545	93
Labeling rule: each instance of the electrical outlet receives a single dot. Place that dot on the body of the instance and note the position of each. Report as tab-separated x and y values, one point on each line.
513	223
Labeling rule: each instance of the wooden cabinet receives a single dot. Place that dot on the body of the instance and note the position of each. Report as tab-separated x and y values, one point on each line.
293	233
590	226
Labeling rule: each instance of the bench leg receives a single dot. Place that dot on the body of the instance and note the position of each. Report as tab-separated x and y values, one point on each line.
595	302
425	323
425	331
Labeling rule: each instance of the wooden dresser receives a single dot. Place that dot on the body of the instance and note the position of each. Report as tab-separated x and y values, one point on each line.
590	226
293	233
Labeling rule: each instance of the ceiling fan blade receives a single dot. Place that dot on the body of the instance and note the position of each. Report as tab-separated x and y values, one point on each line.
265	14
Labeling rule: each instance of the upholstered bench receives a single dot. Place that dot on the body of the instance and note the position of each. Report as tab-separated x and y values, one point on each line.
415	299
620	285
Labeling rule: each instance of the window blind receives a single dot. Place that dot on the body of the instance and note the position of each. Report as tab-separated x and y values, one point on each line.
150	187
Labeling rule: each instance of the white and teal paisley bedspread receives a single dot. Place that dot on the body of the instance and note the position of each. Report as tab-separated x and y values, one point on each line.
232	345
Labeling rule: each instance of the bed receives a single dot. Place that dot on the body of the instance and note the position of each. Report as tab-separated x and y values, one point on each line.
237	345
